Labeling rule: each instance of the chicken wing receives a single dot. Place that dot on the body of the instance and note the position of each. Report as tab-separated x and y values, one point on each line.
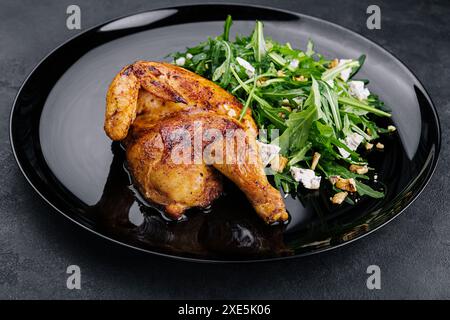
147	102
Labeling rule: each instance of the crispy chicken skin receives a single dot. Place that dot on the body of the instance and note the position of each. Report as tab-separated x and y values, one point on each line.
160	177
147	102
175	89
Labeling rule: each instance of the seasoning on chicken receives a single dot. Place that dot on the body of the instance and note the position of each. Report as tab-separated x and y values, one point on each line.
147	102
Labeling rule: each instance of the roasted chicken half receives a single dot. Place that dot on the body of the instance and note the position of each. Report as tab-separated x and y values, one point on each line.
158	110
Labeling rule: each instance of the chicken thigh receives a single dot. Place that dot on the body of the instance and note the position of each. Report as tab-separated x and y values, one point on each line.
149	105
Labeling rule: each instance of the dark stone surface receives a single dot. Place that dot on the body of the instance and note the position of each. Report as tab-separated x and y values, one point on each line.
37	245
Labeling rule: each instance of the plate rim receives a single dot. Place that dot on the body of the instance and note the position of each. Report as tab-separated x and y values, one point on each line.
421	188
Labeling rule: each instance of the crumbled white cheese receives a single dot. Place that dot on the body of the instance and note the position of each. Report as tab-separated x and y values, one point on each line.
294	63
189	56
298	100
307	177
180	61
345	74
249	69
352	141
357	90
267	152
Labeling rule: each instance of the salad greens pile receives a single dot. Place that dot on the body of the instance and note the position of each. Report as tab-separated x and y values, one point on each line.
309	99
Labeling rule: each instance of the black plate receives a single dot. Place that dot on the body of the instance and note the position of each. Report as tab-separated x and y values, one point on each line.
58	140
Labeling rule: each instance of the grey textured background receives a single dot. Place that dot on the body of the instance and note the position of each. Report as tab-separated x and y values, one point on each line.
37	245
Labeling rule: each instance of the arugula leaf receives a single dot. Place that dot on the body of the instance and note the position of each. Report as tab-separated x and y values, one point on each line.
332	73
332	99
273	114
284	181
258	43
287	94
278	59
309	48
355	70
248	101
226	28
295	92
223	72
346	129
361	132
315	92
300	154
334	169
324	130
297	132
364	189
361	105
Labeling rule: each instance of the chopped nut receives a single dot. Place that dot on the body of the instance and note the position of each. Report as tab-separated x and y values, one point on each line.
391	128
333	63
346	184
300	78
315	160
282	115
260	82
359	169
368	146
278	163
280	73
334	179
285	102
339	197
379	146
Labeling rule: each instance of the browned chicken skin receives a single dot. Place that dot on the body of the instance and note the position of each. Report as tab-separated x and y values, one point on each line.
147	102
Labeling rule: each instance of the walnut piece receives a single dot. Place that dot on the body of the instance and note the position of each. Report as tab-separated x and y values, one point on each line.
359	169
379	146
333	63
278	163
315	160
339	197
346	184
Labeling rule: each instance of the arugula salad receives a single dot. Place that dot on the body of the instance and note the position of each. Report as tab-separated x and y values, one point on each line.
325	118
